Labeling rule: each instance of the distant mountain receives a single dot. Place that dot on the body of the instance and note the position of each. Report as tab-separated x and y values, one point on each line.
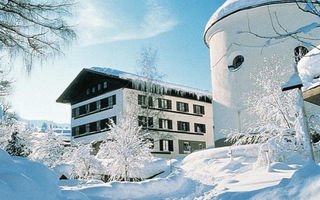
40	123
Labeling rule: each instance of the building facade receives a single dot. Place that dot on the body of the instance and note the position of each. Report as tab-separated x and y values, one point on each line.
178	118
241	35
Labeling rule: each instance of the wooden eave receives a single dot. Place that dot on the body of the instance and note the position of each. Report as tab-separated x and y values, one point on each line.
312	95
77	84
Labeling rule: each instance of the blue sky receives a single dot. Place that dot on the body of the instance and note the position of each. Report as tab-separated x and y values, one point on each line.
111	33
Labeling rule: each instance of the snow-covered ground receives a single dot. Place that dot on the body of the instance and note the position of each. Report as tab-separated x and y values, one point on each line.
222	173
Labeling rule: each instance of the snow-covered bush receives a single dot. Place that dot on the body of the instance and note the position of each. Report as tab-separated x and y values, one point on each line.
277	115
85	164
47	148
126	150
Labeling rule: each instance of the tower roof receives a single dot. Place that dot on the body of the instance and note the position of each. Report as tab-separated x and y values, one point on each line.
233	6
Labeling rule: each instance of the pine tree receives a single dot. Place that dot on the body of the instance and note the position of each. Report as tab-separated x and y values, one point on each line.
16	146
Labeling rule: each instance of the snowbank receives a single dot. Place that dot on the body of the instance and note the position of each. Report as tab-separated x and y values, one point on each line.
22	179
155	167
304	184
309	69
174	186
212	166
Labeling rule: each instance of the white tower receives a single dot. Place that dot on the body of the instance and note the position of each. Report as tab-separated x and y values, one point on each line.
236	50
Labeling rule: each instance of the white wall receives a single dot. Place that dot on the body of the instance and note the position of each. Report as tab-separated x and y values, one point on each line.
225	42
115	111
206	119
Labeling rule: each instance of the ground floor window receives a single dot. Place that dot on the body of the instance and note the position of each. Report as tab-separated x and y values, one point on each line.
186	146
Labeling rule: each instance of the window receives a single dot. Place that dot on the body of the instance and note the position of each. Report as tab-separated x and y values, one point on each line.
142	121
183	107
87	128
98	104
75	131
93	106
77	112
99	87
105	84
98	126
106	123
166	145
104	103
186	147
164	103
93	89
112	100
88	91
82	129
165	123
142	100
199	128
183	126
108	102
87	108
198	109
152	142
93	127
82	110
73	112
299	52
237	62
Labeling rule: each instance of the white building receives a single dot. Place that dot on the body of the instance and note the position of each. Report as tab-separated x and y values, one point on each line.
240	35
98	94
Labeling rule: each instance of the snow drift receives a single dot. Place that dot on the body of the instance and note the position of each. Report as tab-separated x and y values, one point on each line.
24	179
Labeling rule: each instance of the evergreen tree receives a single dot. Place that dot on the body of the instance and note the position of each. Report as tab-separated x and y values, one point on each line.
16	146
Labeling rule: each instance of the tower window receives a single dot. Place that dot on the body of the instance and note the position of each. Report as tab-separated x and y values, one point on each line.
299	52
237	62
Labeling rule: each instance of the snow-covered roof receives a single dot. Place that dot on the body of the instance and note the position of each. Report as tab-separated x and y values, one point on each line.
138	79
232	6
309	69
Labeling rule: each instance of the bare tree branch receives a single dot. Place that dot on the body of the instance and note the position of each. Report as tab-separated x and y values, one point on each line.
34	29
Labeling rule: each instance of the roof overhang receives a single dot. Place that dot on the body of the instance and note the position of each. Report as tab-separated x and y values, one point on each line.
75	86
312	95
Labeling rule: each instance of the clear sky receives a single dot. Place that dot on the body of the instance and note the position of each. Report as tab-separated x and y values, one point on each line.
111	33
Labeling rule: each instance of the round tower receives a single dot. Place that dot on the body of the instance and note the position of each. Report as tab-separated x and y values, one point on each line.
240	36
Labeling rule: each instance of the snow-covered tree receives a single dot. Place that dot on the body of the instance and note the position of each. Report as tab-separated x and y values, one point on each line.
14	138
126	150
47	148
275	115
17	145
85	164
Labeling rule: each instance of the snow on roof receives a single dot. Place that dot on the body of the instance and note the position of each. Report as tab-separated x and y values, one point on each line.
139	79
309	69
231	6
